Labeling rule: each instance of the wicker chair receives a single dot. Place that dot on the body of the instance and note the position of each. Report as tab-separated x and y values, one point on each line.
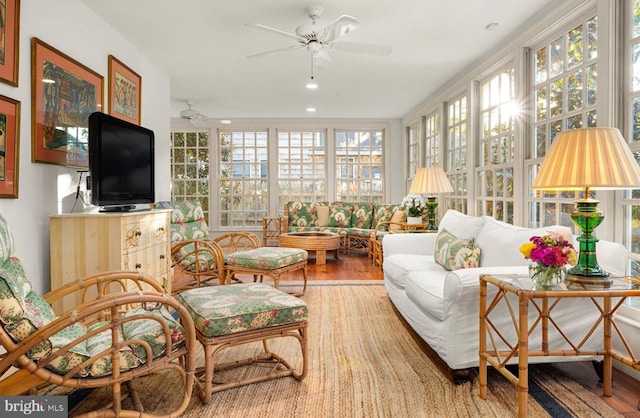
125	330
193	253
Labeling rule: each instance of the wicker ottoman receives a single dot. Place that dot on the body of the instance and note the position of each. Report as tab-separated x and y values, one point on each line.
267	261
227	316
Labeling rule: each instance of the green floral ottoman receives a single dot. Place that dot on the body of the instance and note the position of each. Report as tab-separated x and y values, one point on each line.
267	261
235	314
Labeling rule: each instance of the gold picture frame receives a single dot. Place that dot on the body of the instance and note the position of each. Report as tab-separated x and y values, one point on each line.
125	91
9	41
9	146
64	94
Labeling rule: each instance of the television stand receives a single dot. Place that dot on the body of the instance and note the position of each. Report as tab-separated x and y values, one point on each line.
121	208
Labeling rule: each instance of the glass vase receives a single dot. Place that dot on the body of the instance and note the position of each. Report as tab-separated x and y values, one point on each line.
546	277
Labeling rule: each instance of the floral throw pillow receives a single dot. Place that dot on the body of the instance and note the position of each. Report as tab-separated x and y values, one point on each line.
454	253
340	217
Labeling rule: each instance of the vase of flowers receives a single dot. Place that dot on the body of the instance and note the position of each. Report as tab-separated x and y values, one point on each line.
549	256
415	206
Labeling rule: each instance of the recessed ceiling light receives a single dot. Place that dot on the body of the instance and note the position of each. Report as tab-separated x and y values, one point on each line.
225	121
492	26
311	109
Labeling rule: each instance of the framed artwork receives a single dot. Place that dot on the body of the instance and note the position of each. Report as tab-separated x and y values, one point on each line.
9	40
9	146
125	91
64	94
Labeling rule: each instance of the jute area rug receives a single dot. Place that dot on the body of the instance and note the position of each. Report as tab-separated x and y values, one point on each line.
364	363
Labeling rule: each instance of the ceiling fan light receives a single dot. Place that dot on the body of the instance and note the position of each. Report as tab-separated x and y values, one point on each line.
311	85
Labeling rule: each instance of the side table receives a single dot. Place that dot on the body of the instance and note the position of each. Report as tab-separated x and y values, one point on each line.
606	299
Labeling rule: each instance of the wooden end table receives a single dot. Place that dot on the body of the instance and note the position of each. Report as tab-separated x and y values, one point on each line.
606	299
317	241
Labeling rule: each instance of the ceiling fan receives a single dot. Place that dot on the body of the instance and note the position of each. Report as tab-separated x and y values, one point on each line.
319	40
192	116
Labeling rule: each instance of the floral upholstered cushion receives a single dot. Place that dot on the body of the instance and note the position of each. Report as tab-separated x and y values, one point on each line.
151	331
340	216
362	215
454	253
187	221
303	213
269	258
224	310
382	213
186	258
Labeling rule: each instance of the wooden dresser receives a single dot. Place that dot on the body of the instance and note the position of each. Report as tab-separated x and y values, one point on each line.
84	244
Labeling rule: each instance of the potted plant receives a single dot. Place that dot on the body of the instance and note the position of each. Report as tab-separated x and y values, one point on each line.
415	206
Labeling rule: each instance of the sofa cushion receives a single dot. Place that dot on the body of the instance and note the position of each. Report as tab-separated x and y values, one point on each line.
426	289
397	267
323	215
302	214
454	253
382	213
340	216
399	216
500	242
461	225
362	215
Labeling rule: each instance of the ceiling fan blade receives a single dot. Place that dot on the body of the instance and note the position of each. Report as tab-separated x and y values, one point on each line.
275	51
360	48
338	28
277	31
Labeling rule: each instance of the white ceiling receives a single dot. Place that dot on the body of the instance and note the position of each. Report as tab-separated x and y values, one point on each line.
203	45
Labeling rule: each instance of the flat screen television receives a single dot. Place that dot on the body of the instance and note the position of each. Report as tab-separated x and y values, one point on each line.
121	163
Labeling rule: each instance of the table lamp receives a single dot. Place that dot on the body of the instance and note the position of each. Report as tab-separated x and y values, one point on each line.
430	180
588	159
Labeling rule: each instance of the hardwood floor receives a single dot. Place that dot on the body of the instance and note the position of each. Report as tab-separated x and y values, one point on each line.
357	266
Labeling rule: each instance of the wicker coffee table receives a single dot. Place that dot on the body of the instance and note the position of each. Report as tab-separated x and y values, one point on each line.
320	242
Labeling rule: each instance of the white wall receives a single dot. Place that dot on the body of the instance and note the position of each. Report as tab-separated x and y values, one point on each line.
69	26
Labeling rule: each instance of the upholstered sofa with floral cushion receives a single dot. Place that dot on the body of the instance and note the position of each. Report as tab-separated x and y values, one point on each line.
433	280
354	222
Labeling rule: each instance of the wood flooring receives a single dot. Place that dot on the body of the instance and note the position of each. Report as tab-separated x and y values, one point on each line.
357	266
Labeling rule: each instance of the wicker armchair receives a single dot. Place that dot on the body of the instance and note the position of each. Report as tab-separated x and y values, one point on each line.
193	253
124	329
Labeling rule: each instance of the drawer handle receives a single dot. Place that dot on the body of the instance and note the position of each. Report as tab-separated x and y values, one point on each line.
161	256
138	266
161	229
138	233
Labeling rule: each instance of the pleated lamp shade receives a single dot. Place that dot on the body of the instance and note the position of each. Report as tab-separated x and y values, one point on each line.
430	180
594	158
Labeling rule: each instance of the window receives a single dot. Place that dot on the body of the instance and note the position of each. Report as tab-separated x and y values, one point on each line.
414	152
496	147
564	90
432	140
302	166
190	167
631	200
243	178
456	154
359	174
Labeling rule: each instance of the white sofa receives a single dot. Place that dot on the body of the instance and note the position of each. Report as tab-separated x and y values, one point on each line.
442	306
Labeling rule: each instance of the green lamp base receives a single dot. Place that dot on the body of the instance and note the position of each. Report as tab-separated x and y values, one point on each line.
587	216
432	204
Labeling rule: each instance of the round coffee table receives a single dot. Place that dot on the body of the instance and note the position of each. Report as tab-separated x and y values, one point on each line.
317	241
